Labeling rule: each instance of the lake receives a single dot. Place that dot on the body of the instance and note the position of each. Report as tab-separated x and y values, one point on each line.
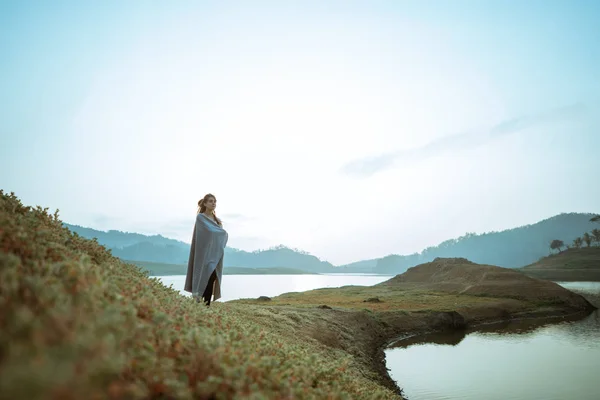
517	361
236	287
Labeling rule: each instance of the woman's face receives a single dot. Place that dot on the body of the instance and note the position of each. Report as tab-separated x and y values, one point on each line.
210	203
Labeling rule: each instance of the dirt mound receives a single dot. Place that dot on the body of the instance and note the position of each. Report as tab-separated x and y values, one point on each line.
461	276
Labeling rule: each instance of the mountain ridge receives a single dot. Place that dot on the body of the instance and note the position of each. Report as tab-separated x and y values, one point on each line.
511	248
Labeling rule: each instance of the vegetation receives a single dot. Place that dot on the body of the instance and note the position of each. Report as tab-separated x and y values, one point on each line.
556	244
575	264
589	238
77	322
442	285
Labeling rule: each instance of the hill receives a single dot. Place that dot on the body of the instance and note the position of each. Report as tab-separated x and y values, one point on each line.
510	248
570	265
450	284
78	323
461	276
158	249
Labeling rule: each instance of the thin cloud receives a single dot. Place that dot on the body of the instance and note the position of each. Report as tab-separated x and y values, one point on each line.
368	166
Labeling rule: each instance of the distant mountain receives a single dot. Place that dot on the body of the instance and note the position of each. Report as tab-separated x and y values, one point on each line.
158	249
510	248
364	266
117	239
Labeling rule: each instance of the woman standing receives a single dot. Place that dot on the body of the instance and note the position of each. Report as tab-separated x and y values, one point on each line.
205	265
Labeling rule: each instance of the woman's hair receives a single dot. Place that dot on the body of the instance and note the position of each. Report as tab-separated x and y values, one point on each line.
202	207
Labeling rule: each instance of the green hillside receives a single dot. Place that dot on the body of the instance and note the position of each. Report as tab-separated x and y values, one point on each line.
570	265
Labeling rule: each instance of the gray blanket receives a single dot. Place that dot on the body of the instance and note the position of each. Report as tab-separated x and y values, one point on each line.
206	255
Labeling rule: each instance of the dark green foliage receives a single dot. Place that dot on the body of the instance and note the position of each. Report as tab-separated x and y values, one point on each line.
556	244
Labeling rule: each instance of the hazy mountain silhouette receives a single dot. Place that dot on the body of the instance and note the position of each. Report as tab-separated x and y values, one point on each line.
510	248
157	248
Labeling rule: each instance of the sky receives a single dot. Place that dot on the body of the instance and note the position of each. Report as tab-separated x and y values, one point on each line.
348	129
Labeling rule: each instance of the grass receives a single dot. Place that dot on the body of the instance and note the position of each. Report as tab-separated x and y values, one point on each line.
164	269
570	265
390	299
79	323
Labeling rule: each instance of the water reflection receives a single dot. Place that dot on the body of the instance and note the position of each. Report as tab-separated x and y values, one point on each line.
524	328
516	360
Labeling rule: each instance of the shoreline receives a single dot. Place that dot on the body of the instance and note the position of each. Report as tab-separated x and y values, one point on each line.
541	317
366	334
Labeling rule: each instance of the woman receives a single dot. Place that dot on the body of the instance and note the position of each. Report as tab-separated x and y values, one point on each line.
205	266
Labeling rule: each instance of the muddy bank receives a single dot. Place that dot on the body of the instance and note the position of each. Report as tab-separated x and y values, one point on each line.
593	298
365	334
374	332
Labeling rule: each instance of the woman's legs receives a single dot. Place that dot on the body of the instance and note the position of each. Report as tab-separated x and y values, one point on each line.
208	292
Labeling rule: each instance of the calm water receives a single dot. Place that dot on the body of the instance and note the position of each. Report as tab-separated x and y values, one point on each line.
517	361
252	286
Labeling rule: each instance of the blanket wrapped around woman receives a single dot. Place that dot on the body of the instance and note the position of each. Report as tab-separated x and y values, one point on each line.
206	255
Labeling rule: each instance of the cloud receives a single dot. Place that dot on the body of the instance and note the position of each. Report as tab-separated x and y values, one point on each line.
368	166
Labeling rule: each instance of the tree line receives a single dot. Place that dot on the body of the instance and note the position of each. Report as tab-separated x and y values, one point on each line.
589	238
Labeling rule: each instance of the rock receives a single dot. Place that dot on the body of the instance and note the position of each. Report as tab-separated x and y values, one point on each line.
447	319
372	300
264	298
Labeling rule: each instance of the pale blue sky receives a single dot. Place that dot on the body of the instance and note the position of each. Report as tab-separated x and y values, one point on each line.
350	129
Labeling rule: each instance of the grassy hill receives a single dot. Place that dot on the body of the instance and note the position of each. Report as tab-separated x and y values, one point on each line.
453	284
79	323
570	265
